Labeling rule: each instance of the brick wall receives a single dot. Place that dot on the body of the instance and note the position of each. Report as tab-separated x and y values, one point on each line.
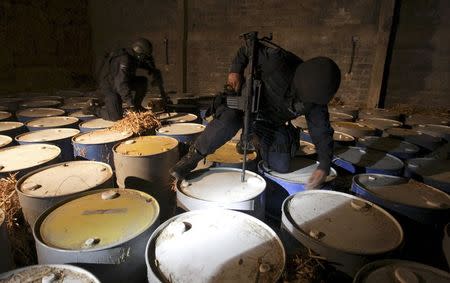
45	45
420	67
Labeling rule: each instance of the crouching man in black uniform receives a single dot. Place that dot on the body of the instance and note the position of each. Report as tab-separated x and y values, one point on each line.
290	88
118	79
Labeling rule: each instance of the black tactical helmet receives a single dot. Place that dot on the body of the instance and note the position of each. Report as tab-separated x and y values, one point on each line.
317	80
142	47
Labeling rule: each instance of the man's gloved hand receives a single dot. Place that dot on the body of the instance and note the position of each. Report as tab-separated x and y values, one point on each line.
317	178
234	80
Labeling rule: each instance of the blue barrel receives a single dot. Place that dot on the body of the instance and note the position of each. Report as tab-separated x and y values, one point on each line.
12	129
412	199
97	145
440	131
95	124
183	132
396	147
5	116
82	117
431	171
360	160
5	141
34	113
60	137
282	185
415	137
52	122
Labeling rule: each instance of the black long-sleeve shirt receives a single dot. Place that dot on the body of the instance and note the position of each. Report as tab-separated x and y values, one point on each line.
276	68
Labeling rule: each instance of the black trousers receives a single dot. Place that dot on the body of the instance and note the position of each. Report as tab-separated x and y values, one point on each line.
112	109
277	144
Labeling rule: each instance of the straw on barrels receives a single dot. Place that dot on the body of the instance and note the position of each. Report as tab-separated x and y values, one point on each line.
304	268
19	232
137	122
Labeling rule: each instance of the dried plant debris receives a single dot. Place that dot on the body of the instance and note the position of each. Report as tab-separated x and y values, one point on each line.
138	123
301	268
38	274
19	232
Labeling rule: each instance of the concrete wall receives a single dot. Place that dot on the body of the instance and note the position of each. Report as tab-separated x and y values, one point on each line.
45	45
420	67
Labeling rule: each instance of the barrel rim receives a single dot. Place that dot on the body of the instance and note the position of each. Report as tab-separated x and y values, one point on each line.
38	170
82	124
7	138
20	113
129	135
318	242
369	149
70	267
74	121
17	138
416	147
37	224
183	125
18	124
147	155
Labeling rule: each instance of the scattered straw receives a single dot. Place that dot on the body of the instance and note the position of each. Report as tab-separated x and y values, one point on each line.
304	268
19	232
138	123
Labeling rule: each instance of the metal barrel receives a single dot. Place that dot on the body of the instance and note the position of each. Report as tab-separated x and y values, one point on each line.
354	129
282	185
339	138
82	117
52	122
6	262
33	113
5	141
222	188
143	163
95	124
73	107
434	130
336	116
12	129
46	186
104	231
40	103
412	199
415	137
11	103
49	273
431	171
174	117
5	116
347	109
45	97
97	145
300	122
227	156
379	113
238	249
417	119
396	147
60	137
21	159
380	124
185	133
366	160
306	149
345	230
395	270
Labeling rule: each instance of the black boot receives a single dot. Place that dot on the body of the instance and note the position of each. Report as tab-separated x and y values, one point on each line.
186	164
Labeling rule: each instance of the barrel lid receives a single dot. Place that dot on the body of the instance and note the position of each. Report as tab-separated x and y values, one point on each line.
348	109
20	157
227	154
339	116
5	140
403	191
65	178
52	122
49	273
10	99
47	135
39	103
343	222
401	271
79	114
174	117
101	136
98	123
6	126
306	148
409	133
46	97
434	130
224	246
73	105
223	185
40	112
98	220
181	129
387	144
146	145
369	158
300	122
380	123
352	125
342	137
379	113
300	169
4	115
435	169
416	119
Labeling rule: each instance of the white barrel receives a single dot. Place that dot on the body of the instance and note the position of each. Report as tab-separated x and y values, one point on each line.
174	117
6	262
33	113
52	122
4	115
105	231
348	231
44	187
12	129
415	137
222	187
340	116
37	103
81	116
214	246
380	123
49	273
417	119
95	124
347	109
5	141
25	158
434	130
183	132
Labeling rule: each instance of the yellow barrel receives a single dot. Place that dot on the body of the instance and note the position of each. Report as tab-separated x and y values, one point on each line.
227	156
